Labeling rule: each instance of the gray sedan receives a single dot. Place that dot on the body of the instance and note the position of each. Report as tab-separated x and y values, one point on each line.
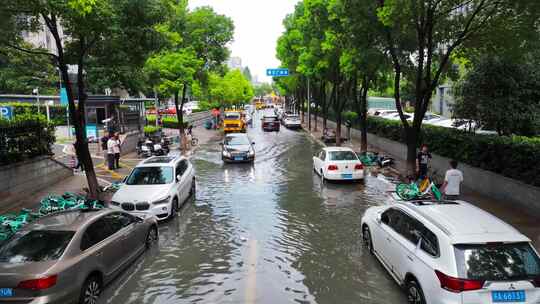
68	257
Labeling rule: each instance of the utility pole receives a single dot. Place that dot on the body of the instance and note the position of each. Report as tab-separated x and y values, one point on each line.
309	105
156	105
36	91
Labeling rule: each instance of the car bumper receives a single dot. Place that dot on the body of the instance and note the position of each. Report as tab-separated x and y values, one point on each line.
161	212
233	130
271	128
359	175
247	159
293	126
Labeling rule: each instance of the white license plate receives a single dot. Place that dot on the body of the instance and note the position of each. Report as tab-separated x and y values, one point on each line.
346	176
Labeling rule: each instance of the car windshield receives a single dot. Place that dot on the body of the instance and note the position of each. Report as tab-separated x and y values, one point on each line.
342	155
232	116
150	176
497	262
36	246
236	141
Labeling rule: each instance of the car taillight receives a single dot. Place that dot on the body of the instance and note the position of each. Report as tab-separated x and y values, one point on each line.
536	282
38	284
458	285
332	168
358	167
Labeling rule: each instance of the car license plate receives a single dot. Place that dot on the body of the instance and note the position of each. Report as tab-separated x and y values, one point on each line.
346	176
6	292
238	158
510	296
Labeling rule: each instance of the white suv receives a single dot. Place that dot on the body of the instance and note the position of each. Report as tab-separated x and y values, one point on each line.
452	252
158	185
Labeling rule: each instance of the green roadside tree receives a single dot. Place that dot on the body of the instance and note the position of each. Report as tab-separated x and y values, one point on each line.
21	72
501	95
263	89
176	70
421	37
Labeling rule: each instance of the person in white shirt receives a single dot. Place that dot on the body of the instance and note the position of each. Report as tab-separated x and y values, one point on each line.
116	149
111	143
452	182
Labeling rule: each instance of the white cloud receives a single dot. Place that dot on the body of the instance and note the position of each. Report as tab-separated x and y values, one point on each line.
258	25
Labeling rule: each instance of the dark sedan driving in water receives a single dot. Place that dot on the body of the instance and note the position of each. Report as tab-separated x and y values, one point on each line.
237	147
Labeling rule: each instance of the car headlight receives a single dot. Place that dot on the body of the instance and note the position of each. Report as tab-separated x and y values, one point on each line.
162	201
226	153
251	152
115	203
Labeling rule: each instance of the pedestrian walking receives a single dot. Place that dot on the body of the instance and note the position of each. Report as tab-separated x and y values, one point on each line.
422	162
110	152
452	182
117	151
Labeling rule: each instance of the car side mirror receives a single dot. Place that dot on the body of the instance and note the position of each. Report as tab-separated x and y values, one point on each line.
178	177
379	219
138	220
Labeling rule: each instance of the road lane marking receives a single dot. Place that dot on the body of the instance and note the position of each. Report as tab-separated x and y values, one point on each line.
251	278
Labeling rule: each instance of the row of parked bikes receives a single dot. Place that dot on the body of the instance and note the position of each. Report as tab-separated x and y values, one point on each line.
13	222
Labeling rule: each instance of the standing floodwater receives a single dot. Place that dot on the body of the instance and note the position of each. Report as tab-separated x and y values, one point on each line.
263	233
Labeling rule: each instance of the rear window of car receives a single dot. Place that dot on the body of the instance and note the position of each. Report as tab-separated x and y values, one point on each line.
270	119
497	262
342	155
36	246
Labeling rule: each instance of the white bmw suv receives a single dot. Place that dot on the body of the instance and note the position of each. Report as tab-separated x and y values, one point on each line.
158	185
452	252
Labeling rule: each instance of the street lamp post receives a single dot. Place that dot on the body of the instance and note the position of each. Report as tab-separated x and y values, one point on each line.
36	92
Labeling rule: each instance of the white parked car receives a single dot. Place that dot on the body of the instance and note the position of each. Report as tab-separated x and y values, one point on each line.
452	252
381	112
292	122
158	185
338	163
395	116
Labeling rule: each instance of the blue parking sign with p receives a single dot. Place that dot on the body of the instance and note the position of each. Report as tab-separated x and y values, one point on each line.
6	112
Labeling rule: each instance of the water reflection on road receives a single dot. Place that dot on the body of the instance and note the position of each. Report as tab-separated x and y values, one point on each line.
270	232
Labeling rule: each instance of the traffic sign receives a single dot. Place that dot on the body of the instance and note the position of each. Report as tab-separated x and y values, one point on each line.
6	112
277	72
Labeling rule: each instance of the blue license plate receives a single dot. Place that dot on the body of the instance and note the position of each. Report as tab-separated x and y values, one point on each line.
6	292
346	176
510	296
238	158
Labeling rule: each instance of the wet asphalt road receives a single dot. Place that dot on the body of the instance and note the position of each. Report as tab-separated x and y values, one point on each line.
263	233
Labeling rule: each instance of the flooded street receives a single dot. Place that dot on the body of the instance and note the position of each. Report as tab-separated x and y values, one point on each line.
263	233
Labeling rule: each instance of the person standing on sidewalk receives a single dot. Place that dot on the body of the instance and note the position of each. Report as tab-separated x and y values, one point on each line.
452	182
110	152
422	162
116	149
104	141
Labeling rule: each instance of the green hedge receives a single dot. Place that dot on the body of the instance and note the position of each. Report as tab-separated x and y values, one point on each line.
514	157
25	137
149	130
167	122
58	113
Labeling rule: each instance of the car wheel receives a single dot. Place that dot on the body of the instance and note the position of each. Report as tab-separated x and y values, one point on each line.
366	236
90	291
415	295
151	237
174	208
193	189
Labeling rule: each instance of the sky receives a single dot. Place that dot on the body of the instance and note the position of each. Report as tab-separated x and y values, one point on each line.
258	25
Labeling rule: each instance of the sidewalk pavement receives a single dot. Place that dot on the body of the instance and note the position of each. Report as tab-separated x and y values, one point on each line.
77	182
525	221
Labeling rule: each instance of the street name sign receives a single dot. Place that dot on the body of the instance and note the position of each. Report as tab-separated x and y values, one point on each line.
277	72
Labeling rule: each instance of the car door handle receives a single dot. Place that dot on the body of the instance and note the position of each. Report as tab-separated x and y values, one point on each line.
99	253
389	240
410	258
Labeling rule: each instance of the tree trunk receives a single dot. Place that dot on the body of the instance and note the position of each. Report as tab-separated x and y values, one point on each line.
362	113
81	144
337	109
412	143
179	105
